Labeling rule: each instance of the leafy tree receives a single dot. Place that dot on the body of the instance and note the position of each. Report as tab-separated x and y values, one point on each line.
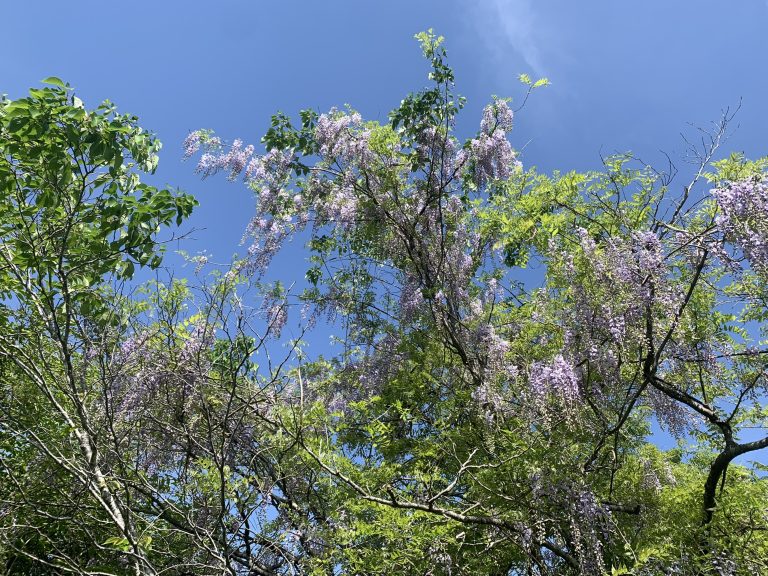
472	421
138	434
75	221
477	424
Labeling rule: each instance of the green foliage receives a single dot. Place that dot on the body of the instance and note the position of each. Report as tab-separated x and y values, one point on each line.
75	222
470	421
73	205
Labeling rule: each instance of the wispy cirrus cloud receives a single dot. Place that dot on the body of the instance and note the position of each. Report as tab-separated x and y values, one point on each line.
513	24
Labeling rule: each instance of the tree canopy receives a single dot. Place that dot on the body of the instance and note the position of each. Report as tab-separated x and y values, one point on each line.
471	418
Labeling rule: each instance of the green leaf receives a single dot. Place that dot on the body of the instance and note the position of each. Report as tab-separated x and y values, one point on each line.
53	80
118	543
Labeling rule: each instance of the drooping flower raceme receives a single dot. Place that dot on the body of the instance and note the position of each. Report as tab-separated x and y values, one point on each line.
588	525
215	158
192	143
555	381
743	219
613	287
491	152
274	309
142	368
342	136
497	116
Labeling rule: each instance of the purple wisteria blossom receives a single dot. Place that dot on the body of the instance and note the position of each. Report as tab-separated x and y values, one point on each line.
199	339
216	160
491	152
497	116
440	149
743	219
589	523
142	369
648	252
496	370
341	206
557	378
192	143
618	283
381	364
268	237
237	158
672	415
366	375
271	171
589	527
494	158
649	479
493	350
342	137
411	298
274	309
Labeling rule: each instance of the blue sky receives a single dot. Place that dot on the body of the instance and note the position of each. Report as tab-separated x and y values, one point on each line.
626	76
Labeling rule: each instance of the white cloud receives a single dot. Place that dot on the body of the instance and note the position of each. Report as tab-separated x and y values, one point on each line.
513	24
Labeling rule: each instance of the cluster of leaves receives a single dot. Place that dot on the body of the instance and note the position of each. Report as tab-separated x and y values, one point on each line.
472	423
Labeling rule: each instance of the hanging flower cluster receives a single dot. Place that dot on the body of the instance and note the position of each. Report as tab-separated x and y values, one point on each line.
144	368
491	152
743	219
